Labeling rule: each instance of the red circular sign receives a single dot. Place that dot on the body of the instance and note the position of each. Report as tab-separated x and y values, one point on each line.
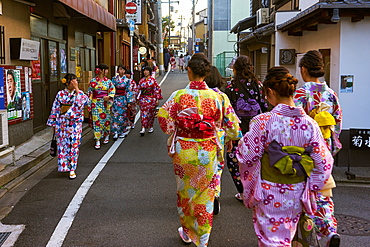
131	8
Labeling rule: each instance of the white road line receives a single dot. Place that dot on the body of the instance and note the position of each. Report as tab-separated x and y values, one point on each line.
60	232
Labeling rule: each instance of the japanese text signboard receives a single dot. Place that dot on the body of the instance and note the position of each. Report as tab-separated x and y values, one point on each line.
359	139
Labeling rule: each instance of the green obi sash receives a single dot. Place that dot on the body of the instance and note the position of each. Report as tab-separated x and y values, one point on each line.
286	165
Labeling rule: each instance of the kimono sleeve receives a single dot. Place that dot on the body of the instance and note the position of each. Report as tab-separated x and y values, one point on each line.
322	158
111	89
249	154
166	115
55	112
129	91
230	121
299	98
157	90
77	109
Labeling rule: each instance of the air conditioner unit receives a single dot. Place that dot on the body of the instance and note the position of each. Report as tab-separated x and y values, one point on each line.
4	138
262	16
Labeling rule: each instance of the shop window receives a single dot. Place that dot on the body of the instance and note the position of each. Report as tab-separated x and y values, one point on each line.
2	45
39	26
55	31
86	51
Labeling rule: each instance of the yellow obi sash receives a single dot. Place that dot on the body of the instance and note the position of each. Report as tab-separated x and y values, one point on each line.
64	108
286	165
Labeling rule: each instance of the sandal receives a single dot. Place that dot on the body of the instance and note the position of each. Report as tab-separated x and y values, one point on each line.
72	175
97	145
238	197
106	140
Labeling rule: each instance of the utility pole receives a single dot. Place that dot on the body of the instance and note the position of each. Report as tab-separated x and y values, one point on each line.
193	27
159	38
181	18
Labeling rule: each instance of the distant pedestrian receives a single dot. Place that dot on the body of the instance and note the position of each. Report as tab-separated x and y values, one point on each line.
101	92
318	99
122	101
166	57
135	91
173	62
149	95
181	63
66	118
283	162
193	116
246	97
186	60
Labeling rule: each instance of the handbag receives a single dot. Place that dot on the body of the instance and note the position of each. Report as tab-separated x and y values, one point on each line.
53	146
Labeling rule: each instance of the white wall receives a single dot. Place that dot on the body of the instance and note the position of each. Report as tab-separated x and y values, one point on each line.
221	43
304	4
355	60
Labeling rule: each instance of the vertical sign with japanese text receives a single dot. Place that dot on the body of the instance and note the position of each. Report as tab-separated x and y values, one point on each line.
359	139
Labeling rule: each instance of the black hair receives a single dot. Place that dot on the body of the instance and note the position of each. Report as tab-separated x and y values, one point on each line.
10	72
69	77
199	64
148	68
102	66
128	71
121	66
314	63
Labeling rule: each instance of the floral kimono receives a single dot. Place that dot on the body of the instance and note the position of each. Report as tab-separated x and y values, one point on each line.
242	92
122	98
149	93
135	91
309	97
101	109
223	138
193	117
277	207
67	115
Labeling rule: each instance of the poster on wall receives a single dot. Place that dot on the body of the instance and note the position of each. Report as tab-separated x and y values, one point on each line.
13	92
346	83
63	61
26	106
2	102
36	69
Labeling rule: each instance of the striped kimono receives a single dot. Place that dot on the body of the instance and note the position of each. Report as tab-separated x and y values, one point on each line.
277	207
193	116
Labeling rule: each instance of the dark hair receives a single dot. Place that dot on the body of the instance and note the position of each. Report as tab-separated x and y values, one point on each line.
69	77
280	80
10	72
181	56
148	68
102	66
244	70
214	79
128	71
199	64
313	62
121	66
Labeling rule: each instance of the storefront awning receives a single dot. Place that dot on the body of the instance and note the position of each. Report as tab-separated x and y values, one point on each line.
244	24
94	11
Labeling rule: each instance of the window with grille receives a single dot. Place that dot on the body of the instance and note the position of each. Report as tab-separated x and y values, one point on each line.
2	45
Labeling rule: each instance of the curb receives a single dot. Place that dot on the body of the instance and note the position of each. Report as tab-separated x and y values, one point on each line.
28	165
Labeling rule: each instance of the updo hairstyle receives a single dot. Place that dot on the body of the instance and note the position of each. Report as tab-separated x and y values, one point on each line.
314	63
200	65
280	80
243	69
68	78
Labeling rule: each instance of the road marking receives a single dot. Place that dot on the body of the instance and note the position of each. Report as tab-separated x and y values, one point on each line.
60	232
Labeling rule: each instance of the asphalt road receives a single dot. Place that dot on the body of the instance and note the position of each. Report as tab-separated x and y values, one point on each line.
132	201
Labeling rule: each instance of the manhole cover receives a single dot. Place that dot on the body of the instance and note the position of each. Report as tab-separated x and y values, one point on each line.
3	237
353	226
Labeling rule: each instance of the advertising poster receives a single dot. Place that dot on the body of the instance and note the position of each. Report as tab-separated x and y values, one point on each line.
36	69
26	106
63	61
2	102
13	92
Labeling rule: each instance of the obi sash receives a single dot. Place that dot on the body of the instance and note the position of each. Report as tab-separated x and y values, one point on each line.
147	93
286	165
190	124
64	108
246	108
120	92
98	94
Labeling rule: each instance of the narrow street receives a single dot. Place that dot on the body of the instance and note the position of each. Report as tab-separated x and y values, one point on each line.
132	200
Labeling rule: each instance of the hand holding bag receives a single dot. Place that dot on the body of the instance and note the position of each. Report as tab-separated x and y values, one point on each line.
53	146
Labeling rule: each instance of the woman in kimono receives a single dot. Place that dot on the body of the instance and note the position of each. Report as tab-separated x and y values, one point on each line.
134	91
245	94
101	92
315	97
283	162
173	62
66	118
122	101
193	117
215	82
149	95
